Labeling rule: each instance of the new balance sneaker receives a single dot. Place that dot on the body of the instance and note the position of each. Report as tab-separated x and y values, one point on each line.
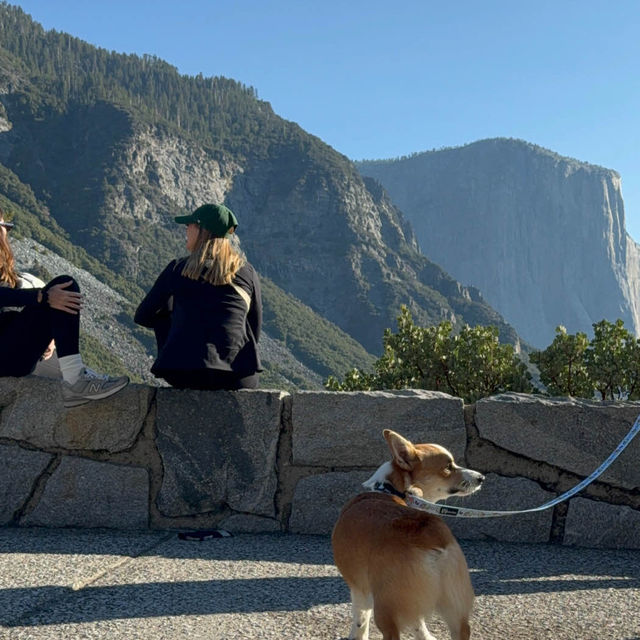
91	386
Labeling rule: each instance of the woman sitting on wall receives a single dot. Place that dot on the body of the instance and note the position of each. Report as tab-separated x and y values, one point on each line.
206	309
33	320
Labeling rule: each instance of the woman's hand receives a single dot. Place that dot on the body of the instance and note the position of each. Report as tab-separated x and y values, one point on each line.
69	301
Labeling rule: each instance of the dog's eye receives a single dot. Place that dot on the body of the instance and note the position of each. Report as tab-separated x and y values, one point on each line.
449	468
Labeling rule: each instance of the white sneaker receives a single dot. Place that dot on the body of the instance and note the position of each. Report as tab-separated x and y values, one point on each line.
91	386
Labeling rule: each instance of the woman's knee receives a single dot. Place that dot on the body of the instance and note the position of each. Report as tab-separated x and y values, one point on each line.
249	382
74	286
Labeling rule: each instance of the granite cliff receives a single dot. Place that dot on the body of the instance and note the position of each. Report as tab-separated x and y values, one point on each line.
542	236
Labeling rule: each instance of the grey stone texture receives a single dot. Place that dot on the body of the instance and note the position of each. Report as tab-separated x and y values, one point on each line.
575	435
33	412
243	523
345	429
19	470
218	448
318	499
86	493
8	390
499	493
598	524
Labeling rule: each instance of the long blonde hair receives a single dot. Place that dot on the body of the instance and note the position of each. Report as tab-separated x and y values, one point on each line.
8	273
217	260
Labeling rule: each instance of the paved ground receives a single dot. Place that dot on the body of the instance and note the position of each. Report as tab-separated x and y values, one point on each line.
73	584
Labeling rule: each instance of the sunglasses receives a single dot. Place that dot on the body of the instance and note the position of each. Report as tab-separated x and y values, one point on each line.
7	225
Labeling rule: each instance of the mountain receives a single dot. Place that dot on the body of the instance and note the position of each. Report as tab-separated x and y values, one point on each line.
542	236
113	146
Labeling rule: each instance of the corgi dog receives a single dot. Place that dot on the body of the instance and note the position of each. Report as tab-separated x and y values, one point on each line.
401	563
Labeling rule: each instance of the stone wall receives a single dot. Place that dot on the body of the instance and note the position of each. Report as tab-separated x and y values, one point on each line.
256	461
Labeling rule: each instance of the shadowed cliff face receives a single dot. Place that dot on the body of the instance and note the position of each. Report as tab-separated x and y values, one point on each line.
541	236
321	236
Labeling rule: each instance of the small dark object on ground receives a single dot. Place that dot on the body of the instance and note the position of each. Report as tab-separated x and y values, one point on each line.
203	534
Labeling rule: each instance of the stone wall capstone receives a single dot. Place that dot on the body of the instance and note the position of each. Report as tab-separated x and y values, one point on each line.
34	413
576	435
345	429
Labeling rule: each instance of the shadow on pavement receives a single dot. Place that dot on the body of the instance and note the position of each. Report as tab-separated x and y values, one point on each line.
171	599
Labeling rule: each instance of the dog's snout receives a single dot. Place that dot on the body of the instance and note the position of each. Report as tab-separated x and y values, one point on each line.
469	483
474	479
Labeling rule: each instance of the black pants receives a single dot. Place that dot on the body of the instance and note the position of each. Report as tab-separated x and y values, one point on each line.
26	334
212	379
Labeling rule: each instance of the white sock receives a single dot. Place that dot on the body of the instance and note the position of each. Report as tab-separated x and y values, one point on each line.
71	367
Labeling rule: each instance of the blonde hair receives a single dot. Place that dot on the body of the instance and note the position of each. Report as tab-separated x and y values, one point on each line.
8	273
216	260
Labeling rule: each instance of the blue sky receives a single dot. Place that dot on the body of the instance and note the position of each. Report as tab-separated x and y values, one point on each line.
384	79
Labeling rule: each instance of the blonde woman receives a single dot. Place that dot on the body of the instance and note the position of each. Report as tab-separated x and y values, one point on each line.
206	309
32	320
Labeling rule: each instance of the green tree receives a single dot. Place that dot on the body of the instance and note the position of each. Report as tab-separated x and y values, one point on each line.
470	365
632	369
608	365
354	380
482	367
562	365
415	357
611	360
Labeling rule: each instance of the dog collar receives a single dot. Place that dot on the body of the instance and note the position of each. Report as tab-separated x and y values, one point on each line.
387	487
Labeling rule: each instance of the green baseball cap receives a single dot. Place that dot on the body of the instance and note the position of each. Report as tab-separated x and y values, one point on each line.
215	218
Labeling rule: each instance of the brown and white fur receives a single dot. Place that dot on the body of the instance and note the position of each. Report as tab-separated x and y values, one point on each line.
401	563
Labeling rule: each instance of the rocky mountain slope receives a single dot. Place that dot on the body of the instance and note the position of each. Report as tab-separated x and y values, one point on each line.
542	236
114	146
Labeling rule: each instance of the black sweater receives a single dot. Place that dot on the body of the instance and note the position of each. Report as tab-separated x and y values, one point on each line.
10	297
210	325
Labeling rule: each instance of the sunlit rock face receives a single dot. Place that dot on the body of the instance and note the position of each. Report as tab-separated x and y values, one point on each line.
542	236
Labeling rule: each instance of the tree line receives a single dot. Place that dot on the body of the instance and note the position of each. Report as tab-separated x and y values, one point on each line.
473	364
219	112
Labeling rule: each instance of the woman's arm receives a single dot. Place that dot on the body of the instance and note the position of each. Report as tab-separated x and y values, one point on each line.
156	300
255	311
10	297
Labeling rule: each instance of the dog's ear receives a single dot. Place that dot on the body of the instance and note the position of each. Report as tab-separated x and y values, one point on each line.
403	452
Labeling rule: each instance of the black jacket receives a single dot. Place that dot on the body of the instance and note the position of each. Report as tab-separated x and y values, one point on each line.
12	300
10	297
210	325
